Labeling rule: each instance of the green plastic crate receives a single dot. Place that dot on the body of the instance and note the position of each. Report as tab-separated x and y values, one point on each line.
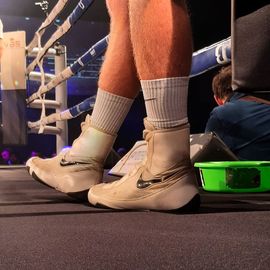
235	176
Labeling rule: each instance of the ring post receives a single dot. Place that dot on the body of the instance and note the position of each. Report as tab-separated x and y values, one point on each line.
61	97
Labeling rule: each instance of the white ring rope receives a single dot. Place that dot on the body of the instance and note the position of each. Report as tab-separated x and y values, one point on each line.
84	106
79	10
202	61
50	18
94	52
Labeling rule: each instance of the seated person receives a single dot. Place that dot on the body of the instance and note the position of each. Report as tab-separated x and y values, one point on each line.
241	121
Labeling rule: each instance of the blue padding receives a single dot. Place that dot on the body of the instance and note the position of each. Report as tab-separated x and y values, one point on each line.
84	106
94	52
210	57
203	60
79	10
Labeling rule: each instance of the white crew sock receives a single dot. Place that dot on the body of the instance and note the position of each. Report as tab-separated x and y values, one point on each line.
1	29
166	101
110	111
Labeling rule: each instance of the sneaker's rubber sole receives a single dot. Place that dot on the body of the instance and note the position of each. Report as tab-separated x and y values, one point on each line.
191	207
79	196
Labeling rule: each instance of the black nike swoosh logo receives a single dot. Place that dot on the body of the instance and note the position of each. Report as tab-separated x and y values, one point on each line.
149	99
141	184
144	184
63	163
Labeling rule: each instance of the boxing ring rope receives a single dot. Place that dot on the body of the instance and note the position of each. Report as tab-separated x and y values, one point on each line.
203	60
73	112
49	20
79	10
60	65
215	55
94	52
59	104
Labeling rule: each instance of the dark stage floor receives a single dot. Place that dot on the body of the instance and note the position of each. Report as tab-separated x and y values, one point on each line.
43	229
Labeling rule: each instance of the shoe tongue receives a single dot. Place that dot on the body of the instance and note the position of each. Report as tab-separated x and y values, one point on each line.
148	125
148	128
86	123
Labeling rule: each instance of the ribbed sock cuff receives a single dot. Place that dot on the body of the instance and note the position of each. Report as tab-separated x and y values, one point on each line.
166	101
110	111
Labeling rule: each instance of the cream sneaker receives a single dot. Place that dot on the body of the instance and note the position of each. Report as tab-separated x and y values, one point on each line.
77	169
165	180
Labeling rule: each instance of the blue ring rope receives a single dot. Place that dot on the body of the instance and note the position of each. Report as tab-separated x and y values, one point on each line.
79	10
202	61
95	51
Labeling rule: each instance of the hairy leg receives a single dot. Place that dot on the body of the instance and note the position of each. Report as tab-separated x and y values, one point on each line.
161	38
118	74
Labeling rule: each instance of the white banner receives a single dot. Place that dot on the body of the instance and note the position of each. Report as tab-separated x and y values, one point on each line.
13	62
